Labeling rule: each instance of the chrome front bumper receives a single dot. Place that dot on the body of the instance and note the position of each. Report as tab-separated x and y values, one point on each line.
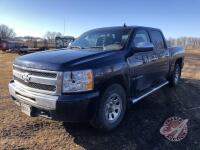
38	100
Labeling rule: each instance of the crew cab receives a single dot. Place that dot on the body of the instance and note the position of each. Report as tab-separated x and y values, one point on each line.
97	77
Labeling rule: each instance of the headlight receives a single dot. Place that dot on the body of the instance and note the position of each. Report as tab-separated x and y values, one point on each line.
78	81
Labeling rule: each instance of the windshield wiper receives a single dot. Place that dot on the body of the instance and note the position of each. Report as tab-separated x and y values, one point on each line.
75	46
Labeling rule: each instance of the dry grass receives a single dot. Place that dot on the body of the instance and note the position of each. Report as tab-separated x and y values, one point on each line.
139	130
192	64
5	72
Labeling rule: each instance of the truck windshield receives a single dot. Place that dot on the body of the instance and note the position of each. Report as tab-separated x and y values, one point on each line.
102	39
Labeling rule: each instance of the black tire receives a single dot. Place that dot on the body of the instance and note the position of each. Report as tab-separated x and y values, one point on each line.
105	110
176	75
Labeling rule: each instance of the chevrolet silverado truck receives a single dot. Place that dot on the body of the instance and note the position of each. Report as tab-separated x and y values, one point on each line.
97	77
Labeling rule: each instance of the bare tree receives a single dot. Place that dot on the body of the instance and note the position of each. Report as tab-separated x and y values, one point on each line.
50	36
187	42
6	32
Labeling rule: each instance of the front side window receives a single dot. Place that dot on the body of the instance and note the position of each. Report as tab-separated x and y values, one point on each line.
102	39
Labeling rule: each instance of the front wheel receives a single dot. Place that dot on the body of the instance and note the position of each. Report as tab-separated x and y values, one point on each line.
176	75
111	108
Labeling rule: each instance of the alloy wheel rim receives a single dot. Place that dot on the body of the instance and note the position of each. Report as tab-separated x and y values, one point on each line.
113	107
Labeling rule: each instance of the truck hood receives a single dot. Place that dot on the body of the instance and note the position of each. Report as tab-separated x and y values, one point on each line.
58	60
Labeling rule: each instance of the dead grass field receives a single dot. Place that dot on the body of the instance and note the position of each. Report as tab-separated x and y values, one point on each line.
139	130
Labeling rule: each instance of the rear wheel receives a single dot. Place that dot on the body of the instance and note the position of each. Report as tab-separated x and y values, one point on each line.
111	108
176	75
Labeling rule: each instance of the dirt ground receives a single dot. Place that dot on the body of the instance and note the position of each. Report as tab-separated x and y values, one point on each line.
139	130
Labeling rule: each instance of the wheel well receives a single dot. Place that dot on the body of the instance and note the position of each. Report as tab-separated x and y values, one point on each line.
180	62
116	79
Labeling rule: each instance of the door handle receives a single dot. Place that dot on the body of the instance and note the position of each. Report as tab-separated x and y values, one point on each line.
154	58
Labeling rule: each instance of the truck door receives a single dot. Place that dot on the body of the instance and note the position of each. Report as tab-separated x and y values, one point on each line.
142	67
162	54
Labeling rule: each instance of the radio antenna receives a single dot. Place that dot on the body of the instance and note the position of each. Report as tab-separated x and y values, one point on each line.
64	26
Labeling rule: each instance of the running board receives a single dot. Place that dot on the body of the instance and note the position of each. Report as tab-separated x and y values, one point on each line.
134	100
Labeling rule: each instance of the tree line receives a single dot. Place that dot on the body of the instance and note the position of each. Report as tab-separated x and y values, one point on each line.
7	33
186	42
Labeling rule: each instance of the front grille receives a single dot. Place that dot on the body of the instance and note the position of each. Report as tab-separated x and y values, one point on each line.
36	85
37	80
42	74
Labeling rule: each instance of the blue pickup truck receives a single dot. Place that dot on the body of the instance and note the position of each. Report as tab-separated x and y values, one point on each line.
97	77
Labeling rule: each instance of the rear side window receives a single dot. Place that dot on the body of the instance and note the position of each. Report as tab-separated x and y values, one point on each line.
157	39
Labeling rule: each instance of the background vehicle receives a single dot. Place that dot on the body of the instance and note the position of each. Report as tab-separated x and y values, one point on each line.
97	77
63	42
25	45
10	45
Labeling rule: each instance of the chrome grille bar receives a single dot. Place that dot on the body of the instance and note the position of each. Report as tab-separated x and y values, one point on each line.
36	79
42	81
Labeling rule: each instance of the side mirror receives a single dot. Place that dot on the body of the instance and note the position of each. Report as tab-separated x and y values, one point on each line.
143	47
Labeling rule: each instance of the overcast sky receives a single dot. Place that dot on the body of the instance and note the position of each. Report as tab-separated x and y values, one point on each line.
34	17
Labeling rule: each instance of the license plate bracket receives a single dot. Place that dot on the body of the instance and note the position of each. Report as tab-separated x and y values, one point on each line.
27	109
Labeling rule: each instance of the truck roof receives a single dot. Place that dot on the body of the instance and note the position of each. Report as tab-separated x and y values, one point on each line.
121	27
